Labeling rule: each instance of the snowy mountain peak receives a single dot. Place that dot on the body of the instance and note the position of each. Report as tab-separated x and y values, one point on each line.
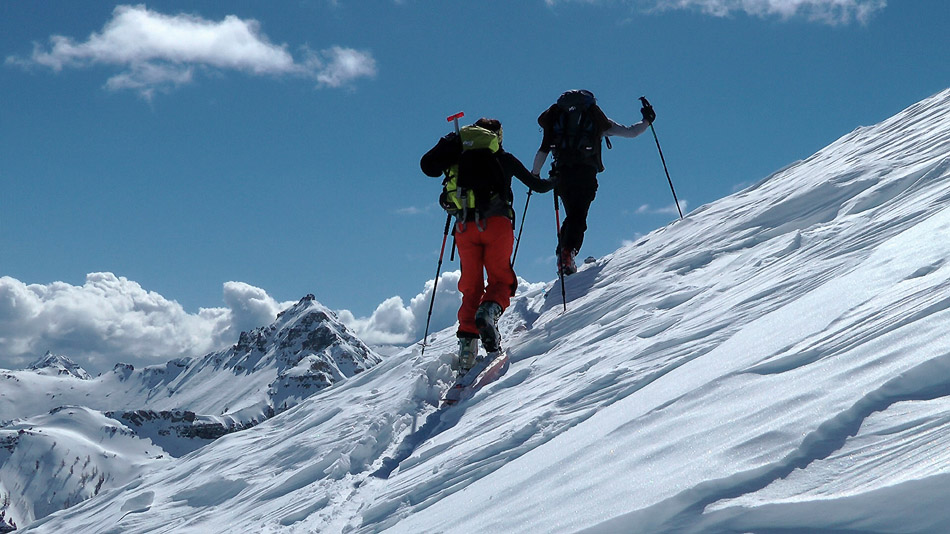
306	327
311	348
56	365
303	304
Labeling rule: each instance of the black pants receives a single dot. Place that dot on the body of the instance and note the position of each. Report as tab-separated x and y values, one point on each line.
577	186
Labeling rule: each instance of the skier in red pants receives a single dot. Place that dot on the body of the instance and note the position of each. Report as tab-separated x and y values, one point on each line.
478	192
488	249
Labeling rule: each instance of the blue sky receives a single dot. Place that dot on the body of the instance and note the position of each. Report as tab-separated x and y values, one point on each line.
184	145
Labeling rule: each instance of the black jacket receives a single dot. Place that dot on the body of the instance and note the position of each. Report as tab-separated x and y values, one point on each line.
446	153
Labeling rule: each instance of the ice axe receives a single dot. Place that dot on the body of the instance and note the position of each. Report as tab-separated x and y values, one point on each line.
455	118
445	235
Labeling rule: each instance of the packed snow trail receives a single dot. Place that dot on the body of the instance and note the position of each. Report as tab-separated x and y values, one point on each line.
776	362
462	390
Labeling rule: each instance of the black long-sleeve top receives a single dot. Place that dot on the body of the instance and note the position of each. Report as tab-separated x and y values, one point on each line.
446	153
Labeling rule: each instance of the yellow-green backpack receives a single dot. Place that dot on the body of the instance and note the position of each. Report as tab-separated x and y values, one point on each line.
477	176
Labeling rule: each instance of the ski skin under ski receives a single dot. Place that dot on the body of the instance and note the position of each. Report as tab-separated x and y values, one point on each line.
486	371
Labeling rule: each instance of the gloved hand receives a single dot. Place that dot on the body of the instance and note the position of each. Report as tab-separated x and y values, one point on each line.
648	114
544	185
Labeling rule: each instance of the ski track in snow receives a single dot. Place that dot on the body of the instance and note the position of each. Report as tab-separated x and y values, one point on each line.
759	367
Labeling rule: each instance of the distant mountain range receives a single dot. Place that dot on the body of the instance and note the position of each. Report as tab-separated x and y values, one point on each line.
124	421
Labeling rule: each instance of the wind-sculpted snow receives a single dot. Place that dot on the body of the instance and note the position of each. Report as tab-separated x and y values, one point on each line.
65	457
777	362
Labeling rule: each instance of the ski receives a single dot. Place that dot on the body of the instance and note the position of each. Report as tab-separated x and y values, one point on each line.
486	370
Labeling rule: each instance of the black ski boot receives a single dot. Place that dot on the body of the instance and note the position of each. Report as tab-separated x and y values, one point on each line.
486	320
566	265
467	354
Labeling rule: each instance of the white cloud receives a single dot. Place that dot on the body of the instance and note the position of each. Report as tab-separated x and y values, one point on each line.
414	210
249	307
345	65
832	12
395	323
825	11
647	209
110	319
160	52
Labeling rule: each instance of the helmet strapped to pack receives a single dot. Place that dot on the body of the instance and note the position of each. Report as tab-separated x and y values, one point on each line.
493	125
576	135
471	183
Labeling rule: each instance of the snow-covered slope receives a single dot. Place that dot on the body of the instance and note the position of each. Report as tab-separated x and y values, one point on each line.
778	362
50	462
168	410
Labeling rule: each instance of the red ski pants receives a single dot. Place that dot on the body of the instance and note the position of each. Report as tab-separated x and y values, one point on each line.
484	250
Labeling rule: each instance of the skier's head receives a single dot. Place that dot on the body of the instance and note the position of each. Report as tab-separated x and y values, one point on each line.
576	97
491	124
584	92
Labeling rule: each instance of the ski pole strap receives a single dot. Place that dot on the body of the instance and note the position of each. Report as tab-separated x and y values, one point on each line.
448	224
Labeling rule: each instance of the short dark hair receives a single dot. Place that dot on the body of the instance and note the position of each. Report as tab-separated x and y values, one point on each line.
489	124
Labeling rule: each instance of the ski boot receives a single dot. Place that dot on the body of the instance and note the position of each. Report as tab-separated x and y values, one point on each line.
566	265
467	355
486	320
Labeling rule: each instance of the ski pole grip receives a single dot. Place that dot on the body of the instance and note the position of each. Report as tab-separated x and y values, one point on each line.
644	101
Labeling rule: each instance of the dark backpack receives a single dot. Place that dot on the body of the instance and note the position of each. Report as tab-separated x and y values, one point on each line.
576	135
478	176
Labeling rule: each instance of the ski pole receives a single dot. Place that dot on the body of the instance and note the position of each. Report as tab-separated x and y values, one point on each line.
455	118
560	263
435	284
445	236
518	241
646	104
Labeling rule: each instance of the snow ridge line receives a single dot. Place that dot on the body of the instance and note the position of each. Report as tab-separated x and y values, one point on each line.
684	512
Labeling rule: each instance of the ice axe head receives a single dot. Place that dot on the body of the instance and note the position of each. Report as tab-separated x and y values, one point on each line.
455	118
